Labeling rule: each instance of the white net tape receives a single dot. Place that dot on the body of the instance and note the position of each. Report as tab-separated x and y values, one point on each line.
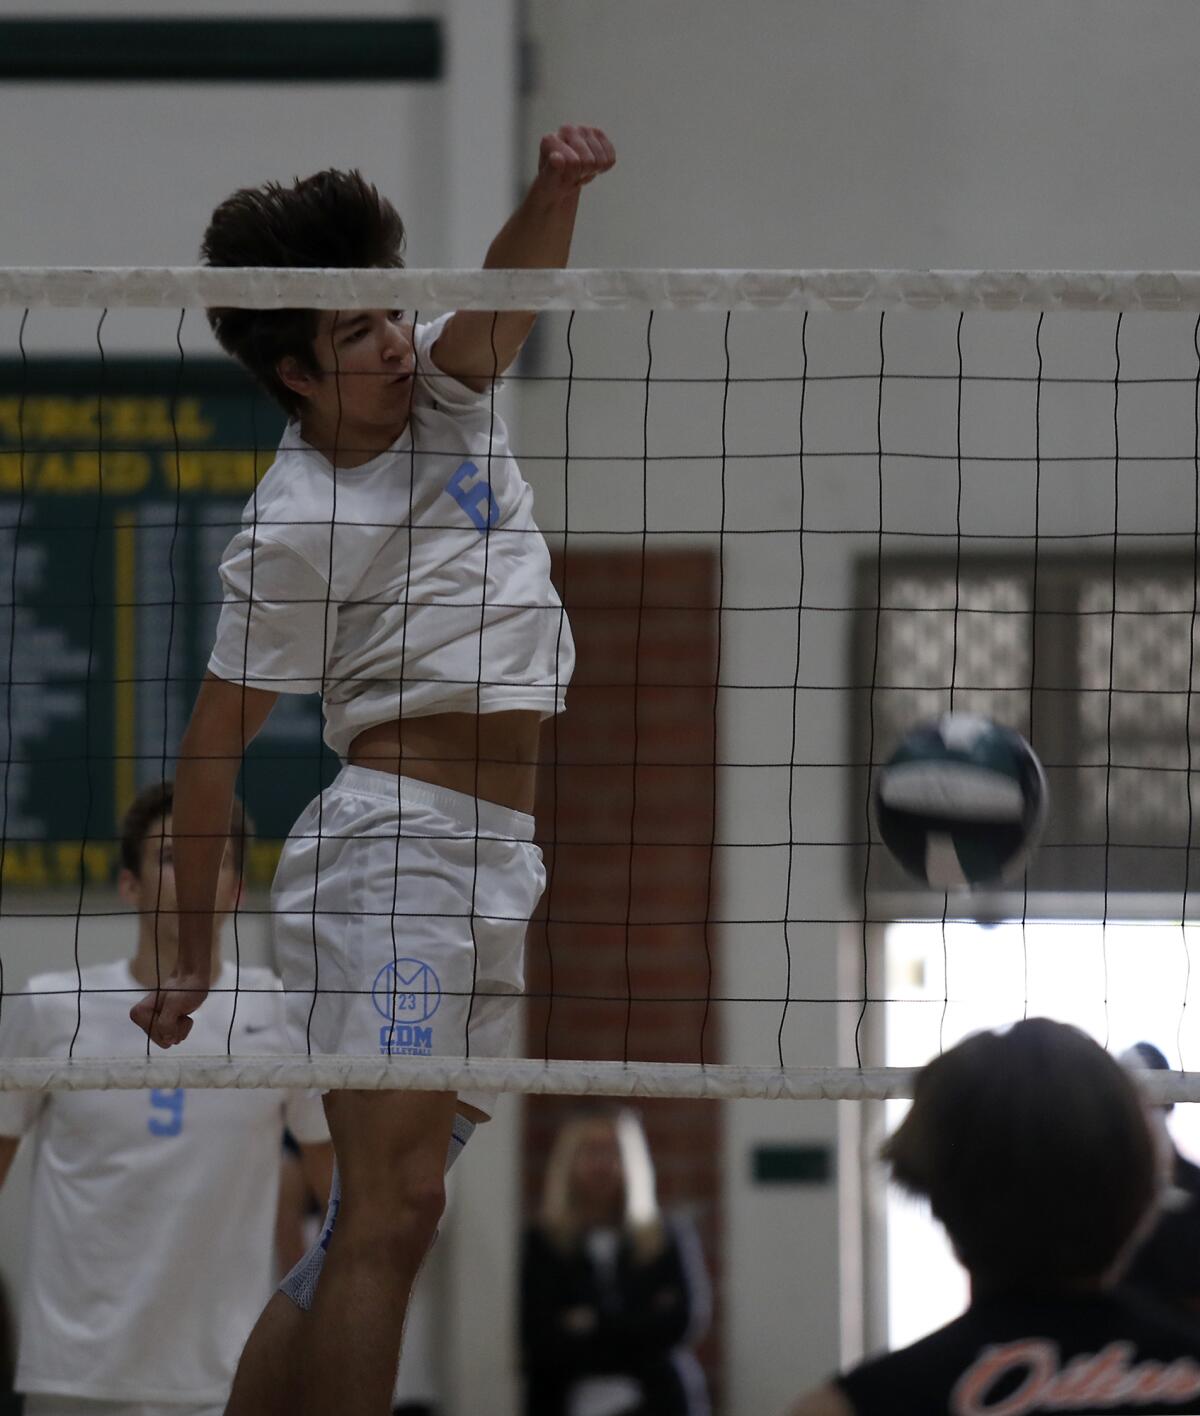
734	290
637	1079
641	1079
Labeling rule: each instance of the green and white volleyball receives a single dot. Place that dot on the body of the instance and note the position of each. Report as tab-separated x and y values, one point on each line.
961	802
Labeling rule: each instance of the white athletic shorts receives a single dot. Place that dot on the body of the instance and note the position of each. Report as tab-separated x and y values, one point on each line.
37	1404
400	911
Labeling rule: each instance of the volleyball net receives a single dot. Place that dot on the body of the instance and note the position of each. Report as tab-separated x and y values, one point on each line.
791	515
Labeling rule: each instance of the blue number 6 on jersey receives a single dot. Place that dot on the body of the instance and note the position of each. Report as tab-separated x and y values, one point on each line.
171	1104
475	498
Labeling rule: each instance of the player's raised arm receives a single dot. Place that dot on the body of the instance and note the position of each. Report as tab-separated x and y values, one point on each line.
225	719
478	345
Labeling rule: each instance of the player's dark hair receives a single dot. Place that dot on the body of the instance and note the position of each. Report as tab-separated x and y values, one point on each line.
331	219
155	802
1034	1151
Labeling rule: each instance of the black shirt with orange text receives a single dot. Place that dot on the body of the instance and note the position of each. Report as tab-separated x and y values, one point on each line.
1114	1352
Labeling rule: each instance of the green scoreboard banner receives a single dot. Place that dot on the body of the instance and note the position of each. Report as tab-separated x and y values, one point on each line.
120	485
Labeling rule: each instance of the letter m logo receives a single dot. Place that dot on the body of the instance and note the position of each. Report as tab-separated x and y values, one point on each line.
475	497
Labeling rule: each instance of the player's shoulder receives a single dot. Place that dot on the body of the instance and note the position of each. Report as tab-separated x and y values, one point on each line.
329	522
425	335
442	402
50	1002
257	978
68	983
45	985
258	1000
259	1013
1148	1319
293	504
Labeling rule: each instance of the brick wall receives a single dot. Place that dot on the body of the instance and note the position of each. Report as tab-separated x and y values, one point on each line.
621	962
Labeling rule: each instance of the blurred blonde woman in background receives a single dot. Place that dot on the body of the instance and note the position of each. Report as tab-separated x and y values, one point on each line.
614	1294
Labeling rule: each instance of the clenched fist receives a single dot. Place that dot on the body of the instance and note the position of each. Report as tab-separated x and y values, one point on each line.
572	157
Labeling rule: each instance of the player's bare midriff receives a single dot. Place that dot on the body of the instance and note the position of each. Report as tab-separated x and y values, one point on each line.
488	755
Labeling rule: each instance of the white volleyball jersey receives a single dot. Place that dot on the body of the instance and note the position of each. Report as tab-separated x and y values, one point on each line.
416	583
152	1214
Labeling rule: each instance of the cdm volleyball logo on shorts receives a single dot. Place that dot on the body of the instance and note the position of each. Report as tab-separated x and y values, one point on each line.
407	993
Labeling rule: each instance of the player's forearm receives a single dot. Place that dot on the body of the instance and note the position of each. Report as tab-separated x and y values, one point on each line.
537	236
224	722
478	345
203	804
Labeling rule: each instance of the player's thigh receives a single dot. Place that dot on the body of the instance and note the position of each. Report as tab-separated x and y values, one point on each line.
394	1142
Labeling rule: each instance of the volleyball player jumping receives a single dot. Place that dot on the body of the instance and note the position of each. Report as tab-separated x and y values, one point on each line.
389	561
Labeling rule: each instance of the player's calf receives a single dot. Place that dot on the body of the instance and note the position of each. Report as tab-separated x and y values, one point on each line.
267	1382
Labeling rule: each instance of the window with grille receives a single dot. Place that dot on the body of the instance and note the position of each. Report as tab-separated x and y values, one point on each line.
1101	680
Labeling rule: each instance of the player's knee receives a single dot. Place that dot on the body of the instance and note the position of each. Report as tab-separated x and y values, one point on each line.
401	1207
404	1229
421	1200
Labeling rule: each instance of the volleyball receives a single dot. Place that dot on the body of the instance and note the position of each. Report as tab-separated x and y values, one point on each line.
961	801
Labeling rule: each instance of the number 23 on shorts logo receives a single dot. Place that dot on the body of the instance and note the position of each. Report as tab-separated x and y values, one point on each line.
406	991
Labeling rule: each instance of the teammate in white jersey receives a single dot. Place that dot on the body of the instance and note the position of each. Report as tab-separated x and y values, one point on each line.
152	1218
390	562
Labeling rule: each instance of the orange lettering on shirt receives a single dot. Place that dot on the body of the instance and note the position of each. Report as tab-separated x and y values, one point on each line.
1180	1381
1037	1358
1090	1382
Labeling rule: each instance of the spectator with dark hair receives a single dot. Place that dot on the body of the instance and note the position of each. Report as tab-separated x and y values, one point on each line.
614	1293
1034	1151
1166	1265
134	1189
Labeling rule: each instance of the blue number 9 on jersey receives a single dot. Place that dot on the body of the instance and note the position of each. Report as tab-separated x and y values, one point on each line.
170	1105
